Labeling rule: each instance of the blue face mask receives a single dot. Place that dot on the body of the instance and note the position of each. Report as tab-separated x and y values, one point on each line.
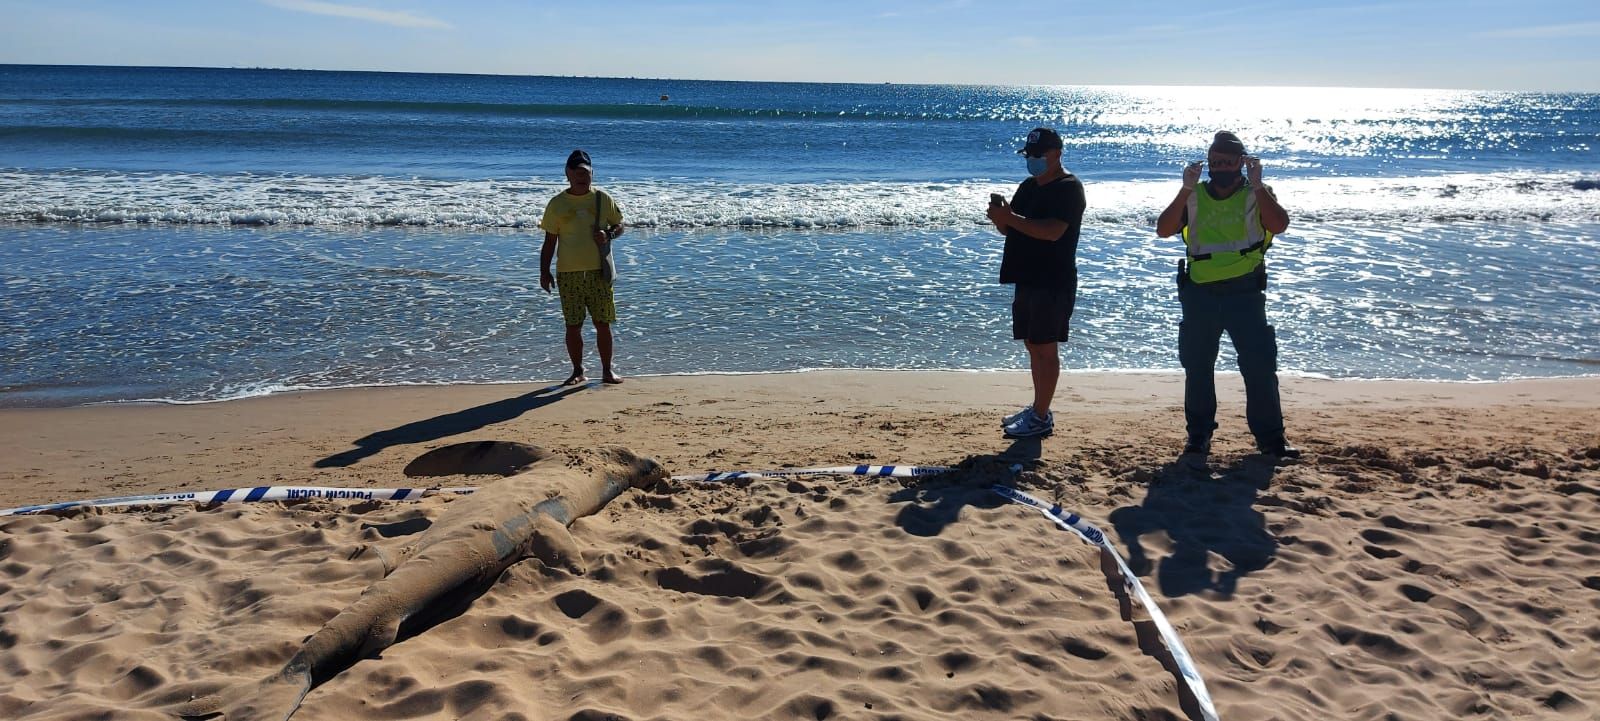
1037	166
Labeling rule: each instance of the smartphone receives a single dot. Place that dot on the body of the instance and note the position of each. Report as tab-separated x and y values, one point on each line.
996	199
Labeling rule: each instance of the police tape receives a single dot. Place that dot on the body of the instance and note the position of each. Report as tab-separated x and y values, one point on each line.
290	493
882	471
242	495
1094	536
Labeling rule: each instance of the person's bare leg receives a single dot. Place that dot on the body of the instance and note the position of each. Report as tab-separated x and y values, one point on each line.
602	341
1045	366
575	352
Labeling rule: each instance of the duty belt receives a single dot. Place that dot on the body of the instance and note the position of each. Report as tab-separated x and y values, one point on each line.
1207	256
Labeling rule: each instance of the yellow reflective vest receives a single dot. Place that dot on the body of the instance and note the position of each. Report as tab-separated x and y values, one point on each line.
1224	238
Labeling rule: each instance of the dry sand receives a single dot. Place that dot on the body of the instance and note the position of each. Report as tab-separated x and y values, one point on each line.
1436	554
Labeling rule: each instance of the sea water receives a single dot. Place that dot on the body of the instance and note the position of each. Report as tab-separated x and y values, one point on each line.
201	234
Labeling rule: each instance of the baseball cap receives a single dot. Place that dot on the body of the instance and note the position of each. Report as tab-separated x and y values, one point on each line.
1040	140
1227	143
577	158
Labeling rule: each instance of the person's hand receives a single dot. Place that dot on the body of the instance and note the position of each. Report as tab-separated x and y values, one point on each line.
546	280
1252	169
600	238
1191	174
999	213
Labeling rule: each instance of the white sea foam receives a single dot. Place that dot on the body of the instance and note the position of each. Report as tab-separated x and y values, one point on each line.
249	199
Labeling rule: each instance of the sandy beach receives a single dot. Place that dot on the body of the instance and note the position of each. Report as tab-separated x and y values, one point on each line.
1433	555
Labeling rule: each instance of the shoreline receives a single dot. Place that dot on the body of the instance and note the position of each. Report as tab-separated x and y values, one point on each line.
1065	373
363	437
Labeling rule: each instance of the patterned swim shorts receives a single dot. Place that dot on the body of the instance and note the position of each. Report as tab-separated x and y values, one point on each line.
586	290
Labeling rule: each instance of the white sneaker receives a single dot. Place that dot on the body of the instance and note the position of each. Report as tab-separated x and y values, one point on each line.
1031	426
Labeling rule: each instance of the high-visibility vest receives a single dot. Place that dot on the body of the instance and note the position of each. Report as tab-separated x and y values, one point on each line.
1225	239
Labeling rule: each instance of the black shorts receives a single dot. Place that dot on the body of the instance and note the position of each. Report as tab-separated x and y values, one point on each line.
1040	314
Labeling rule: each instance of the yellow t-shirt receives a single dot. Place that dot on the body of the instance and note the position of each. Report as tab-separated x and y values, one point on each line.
571	218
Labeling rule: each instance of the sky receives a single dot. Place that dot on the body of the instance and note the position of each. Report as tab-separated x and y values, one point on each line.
1551	45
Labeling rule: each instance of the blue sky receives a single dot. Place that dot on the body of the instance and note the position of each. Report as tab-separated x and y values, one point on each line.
1527	45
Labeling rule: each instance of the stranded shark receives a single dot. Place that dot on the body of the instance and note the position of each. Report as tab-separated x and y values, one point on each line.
472	542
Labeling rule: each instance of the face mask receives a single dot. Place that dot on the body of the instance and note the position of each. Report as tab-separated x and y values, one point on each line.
1224	178
1037	166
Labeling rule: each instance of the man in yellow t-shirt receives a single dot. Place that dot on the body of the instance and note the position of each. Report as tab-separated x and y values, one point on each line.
579	225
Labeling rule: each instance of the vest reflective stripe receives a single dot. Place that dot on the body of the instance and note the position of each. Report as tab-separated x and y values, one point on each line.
1224	237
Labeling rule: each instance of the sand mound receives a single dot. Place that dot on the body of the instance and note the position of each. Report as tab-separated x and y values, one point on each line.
478	458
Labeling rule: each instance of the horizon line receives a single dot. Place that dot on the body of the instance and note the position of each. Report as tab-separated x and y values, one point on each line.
780	82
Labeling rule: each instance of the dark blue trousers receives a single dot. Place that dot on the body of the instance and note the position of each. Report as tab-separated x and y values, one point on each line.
1240	310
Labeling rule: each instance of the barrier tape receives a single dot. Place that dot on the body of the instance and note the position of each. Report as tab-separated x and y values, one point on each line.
884	471
288	493
1093	536
259	493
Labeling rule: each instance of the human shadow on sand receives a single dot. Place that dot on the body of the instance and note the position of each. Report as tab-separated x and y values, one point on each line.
447	425
935	502
1201	515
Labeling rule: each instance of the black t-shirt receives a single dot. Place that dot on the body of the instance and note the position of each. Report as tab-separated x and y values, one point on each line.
1051	264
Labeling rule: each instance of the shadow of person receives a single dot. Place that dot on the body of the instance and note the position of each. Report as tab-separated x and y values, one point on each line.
1148	635
449	424
935	502
1201	516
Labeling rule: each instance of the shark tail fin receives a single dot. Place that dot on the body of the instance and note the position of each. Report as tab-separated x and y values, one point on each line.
275	698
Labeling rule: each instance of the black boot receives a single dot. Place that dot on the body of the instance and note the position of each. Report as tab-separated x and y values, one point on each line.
1198	445
1278	448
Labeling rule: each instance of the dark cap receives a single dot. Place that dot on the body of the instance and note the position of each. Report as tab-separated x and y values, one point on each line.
1040	140
1227	143
577	158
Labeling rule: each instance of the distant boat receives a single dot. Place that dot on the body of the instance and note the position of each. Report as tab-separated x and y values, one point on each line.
664	97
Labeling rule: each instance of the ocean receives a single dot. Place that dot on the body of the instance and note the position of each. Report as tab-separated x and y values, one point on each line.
192	235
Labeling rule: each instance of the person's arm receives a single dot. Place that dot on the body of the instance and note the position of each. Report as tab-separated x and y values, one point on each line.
1273	217
1171	220
1047	229
613	217
547	252
1040	228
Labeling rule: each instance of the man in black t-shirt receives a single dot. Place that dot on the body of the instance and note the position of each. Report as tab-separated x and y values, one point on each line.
1041	225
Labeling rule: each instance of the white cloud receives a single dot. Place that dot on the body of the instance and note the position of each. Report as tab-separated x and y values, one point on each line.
1570	30
397	18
